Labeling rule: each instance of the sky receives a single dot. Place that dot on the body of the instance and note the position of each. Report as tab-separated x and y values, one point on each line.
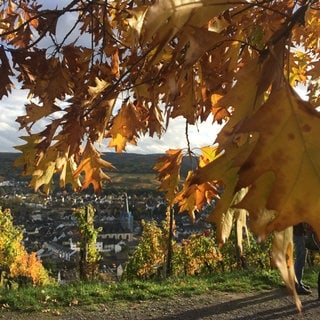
201	135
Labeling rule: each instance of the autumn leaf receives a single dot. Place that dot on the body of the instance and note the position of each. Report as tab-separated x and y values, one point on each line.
208	154
260	217
125	127
219	113
154	121
43	176
98	89
282	254
243	101
5	69
29	154
289	132
92	166
67	166
193	197
36	112
224	169
170	17
224	216
168	168
54	81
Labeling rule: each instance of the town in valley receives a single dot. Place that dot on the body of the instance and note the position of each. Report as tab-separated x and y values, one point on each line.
50	228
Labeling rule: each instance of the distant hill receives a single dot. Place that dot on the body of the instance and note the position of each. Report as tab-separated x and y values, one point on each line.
132	162
124	162
132	170
7	171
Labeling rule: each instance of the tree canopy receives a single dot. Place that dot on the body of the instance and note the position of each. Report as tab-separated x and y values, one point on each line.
16	264
114	71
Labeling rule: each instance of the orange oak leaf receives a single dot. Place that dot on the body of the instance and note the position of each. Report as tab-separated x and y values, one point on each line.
193	197
125	127
92	166
168	168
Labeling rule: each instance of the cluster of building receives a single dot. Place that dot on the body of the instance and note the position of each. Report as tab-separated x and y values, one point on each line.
50	228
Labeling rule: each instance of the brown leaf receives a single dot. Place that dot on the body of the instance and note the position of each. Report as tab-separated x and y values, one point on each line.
168	168
125	127
92	166
36	112
5	70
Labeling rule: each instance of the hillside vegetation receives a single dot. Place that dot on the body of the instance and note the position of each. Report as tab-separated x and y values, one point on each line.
133	171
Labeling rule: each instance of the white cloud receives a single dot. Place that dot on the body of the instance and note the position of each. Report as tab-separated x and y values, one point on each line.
10	109
201	135
175	138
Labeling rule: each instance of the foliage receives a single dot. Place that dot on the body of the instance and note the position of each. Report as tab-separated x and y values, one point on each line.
149	257
197	255
16	264
124	68
89	254
255	256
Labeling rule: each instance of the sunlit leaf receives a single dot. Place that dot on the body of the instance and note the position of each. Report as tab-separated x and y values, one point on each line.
92	166
282	254
168	168
289	131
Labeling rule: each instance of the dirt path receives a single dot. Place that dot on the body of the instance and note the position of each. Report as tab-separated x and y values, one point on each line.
268	305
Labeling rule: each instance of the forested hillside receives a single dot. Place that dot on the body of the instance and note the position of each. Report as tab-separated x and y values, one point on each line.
132	170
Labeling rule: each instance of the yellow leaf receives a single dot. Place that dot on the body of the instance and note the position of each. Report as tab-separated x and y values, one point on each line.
45	169
282	255
67	166
101	85
208	154
240	216
255	202
29	153
43	176
223	214
193	197
243	101
288	129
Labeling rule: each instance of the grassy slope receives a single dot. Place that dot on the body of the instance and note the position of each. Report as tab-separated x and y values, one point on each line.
82	294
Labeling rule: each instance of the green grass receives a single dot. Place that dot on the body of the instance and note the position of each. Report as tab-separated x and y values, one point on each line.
93	293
